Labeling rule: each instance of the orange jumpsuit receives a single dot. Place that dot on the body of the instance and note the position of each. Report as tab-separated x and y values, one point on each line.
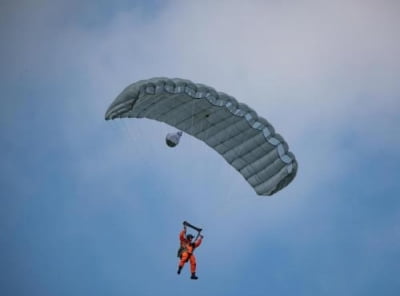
187	254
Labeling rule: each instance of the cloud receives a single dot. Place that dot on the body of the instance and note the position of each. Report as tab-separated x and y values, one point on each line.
323	73
318	72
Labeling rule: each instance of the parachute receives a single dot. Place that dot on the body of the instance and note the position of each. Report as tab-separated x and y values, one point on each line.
245	140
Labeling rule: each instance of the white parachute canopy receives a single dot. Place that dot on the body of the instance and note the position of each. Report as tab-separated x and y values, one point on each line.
245	140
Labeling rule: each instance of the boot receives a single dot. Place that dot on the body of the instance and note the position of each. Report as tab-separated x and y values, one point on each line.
179	270
194	277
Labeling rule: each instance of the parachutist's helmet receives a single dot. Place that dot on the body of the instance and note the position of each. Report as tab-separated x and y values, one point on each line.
189	237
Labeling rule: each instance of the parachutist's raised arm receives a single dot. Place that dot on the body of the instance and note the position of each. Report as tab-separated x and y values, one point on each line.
198	241
182	234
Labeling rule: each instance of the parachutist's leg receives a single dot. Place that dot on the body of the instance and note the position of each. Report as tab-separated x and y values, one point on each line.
192	264
194	276
184	259
192	260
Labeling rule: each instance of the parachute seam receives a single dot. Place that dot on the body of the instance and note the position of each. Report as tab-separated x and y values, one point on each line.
267	168
273	188
220	123
277	162
248	152
242	144
259	159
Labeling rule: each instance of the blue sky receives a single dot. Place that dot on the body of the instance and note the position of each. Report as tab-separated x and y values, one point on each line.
90	207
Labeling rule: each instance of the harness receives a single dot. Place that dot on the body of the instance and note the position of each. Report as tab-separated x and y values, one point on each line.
183	248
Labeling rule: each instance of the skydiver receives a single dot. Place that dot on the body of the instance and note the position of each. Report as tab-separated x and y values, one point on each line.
185	253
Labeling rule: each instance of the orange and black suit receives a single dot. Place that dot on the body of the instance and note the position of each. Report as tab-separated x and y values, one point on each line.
187	251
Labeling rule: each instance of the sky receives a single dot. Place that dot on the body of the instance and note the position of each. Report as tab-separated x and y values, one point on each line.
94	207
